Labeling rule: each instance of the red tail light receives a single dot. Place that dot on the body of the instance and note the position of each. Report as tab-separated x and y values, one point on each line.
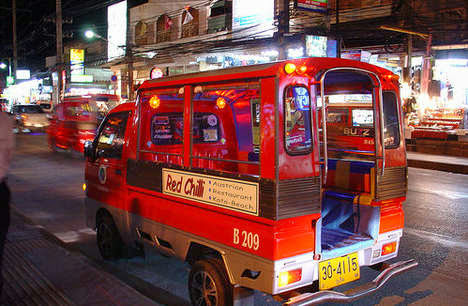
289	277
389	248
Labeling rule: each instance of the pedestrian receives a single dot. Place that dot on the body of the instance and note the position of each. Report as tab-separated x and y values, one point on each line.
6	150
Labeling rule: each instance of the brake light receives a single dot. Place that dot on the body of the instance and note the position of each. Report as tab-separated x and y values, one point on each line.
289	277
388	248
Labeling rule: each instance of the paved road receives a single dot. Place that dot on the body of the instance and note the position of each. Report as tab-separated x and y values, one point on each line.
47	189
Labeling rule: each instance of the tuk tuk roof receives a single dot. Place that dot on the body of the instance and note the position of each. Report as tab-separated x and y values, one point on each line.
314	65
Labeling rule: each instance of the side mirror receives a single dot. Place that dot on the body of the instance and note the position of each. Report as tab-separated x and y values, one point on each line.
89	151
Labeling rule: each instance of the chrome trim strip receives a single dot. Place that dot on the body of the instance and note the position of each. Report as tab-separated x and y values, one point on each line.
226	160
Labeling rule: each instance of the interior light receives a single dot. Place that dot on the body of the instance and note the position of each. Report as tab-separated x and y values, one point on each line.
221	103
289	277
289	68
154	102
388	248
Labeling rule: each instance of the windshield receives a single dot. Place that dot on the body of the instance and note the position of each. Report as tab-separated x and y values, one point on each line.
28	109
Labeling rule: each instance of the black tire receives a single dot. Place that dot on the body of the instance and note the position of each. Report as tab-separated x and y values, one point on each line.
108	238
208	284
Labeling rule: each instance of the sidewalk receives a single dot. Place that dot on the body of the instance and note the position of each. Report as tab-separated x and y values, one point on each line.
438	162
37	271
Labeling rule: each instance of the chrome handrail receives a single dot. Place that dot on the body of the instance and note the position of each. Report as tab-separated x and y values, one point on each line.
381	120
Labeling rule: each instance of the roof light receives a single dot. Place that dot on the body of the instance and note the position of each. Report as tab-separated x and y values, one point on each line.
154	102
221	103
289	277
289	68
388	248
302	69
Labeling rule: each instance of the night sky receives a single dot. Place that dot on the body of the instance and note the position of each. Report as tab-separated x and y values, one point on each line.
36	27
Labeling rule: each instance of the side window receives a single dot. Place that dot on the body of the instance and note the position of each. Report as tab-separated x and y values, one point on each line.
226	127
168	128
391	127
298	137
111	137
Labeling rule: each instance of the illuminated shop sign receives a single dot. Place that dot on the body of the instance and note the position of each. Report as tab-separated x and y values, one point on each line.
23	74
312	5
156	73
320	46
256	15
116	29
81	78
77	61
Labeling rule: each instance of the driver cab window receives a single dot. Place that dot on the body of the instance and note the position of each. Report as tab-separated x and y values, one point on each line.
111	138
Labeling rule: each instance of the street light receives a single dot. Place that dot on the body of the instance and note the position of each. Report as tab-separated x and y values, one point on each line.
3	65
90	34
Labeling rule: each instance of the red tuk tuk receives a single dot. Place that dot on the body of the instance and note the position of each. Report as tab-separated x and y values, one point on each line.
270	177
76	119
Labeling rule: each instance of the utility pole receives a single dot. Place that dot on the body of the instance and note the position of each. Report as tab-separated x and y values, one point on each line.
15	49
129	57
337	23
283	29
59	57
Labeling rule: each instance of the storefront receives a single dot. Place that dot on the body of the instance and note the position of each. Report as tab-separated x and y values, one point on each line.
441	114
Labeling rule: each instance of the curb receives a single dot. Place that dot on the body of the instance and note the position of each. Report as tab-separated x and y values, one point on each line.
145	289
446	167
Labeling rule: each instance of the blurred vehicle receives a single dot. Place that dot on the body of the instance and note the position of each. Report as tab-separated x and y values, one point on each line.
3	105
46	106
30	118
73	122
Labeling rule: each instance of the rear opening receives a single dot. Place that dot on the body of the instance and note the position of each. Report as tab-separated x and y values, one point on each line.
349	222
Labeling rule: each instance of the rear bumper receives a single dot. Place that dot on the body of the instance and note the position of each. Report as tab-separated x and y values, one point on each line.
355	293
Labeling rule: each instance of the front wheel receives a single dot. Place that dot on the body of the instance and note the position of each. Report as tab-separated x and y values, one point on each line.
108	238
209	284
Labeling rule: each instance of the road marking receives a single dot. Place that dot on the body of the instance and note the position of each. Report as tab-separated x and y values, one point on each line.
442	239
73	236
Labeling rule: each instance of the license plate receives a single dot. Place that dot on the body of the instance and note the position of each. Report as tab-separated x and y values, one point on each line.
338	271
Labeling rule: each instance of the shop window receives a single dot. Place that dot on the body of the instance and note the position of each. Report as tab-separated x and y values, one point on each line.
190	22
111	137
164	26
298	135
144	33
392	126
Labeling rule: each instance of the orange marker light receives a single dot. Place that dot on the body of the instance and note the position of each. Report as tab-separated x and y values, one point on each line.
388	248
154	102
302	69
84	187
289	277
221	103
289	68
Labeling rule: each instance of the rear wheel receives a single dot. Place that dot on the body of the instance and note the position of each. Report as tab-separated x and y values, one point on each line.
208	284
108	238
